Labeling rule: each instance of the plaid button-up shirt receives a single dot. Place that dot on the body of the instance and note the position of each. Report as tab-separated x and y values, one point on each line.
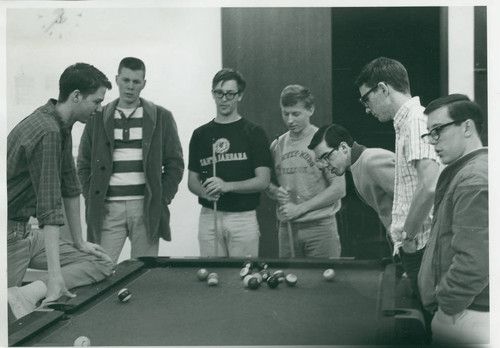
409	124
40	167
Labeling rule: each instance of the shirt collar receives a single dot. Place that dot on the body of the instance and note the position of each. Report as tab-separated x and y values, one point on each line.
50	108
356	151
404	110
465	158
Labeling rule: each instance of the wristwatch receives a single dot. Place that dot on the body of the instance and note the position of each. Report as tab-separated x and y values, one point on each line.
406	238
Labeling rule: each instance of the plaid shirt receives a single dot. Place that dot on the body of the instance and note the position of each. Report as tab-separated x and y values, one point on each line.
40	167
409	124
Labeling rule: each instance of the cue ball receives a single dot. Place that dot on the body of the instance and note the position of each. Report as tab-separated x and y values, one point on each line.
82	341
291	279
202	274
329	274
124	295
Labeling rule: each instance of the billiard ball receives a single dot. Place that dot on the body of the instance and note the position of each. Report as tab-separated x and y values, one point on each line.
82	341
202	274
273	282
253	283
213	279
280	275
257	276
124	295
265	275
263	266
247	279
291	279
329	274
248	264
244	272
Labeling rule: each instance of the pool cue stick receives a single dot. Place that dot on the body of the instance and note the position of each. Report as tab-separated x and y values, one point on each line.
288	223
214	174
290	238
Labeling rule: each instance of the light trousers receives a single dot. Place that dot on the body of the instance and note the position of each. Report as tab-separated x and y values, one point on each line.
124	219
468	327
237	234
319	238
26	249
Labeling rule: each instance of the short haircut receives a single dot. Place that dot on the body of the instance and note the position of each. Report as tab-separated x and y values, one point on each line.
333	136
228	74
83	77
387	70
460	107
293	94
132	63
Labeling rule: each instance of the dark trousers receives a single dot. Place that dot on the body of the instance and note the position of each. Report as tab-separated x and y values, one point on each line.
411	265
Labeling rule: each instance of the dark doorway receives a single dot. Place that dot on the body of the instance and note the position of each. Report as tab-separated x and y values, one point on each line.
410	35
324	49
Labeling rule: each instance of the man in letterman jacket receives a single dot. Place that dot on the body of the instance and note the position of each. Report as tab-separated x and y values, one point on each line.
130	164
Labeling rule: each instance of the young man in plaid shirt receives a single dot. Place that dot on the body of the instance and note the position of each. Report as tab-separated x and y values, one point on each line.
41	180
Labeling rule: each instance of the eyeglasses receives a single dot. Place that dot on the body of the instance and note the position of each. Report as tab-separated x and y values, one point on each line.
221	94
323	159
435	132
364	97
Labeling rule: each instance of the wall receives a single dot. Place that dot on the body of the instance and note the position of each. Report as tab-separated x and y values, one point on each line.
182	48
182	51
461	50
294	47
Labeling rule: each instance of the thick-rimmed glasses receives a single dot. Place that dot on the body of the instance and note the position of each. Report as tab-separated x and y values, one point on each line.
364	98
324	158
435	132
221	94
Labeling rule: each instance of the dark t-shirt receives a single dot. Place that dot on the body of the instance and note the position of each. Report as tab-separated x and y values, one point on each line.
240	147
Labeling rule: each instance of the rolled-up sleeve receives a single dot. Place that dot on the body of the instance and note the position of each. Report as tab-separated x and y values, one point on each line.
70	185
45	172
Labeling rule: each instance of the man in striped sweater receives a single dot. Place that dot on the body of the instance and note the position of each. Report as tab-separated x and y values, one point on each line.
130	164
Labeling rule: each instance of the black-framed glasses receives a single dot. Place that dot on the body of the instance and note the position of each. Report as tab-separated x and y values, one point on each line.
364	97
219	94
325	157
435	132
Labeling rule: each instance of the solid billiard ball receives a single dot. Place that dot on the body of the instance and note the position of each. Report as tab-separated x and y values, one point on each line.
244	272
263	266
253	283
329	274
213	279
248	264
82	341
124	295
247	279
273	282
265	275
291	279
202	274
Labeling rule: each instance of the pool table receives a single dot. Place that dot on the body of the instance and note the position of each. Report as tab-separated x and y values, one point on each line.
367	303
